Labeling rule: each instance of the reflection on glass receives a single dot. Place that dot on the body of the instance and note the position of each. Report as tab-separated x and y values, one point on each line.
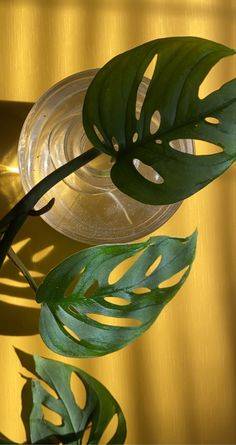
88	207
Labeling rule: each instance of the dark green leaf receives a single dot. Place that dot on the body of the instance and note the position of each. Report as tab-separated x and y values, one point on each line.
70	322
111	123
99	409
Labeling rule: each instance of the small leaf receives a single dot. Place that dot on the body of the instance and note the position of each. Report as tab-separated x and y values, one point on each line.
71	325
98	411
110	107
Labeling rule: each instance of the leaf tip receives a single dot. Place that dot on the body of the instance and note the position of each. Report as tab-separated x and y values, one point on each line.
192	239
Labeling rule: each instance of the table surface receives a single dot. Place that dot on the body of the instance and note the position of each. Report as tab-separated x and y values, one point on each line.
176	384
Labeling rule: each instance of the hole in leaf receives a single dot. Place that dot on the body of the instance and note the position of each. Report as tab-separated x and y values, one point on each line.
206	148
85	438
117	300
51	416
148	172
39	256
78	390
223	71
114	321
115	143
174	279
142	89
178	144
141	94
109	431
49	389
151	68
158	141
72	333
91	290
73	309
201	147
153	266
141	290
120	270
155	122
73	283
212	120
98	133
135	137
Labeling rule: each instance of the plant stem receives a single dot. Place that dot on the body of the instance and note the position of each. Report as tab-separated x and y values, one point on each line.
30	200
12	222
18	263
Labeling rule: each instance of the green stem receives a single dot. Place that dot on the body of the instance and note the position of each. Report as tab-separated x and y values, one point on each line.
30	200
18	263
12	222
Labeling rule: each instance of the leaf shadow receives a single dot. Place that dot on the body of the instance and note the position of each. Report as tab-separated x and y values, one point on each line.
27	403
40	248
14	114
18	320
27	362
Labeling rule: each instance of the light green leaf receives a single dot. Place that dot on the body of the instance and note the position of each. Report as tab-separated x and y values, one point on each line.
111	123
70	321
99	409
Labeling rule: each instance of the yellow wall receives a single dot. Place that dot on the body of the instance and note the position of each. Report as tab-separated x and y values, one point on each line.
177	383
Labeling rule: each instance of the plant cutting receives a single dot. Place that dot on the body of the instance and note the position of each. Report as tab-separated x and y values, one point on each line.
99	408
79	290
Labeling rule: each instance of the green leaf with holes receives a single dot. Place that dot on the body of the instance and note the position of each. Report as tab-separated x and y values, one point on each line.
84	314
99	409
114	124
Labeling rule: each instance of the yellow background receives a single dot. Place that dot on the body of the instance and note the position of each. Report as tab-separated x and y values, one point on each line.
176	384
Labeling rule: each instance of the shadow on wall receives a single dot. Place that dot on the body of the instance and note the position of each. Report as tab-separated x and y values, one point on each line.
14	320
39	246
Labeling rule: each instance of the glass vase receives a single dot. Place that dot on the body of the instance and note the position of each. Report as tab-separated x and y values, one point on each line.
88	207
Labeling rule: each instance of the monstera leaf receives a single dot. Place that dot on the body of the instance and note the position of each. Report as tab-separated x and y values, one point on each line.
92	419
99	409
84	315
77	423
115	126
